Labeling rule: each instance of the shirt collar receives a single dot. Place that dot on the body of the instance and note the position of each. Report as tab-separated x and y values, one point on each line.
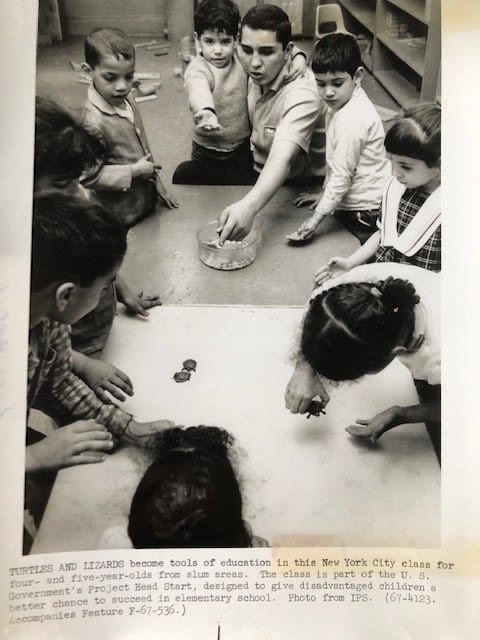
98	101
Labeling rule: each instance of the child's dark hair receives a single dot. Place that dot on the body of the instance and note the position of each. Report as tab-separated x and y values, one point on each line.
107	41
336	52
217	15
189	496
73	240
351	329
417	134
63	147
269	17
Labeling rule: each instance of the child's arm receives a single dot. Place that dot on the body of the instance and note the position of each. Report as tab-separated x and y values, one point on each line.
114	177
66	397
137	304
343	162
297	66
82	442
394	417
199	86
336	266
101	376
304	385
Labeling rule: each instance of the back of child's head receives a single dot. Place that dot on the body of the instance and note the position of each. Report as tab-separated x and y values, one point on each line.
189	496
63	147
73	240
417	134
107	41
217	15
336	52
351	329
269	17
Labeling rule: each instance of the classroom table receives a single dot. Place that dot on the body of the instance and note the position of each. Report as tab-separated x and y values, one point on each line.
304	481
162	254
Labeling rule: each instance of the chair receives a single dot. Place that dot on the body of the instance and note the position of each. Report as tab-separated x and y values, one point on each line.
329	19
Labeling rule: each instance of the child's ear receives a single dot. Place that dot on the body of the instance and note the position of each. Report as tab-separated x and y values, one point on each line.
64	295
86	68
358	75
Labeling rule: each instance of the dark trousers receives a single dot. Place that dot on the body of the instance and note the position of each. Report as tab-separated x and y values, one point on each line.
211	167
432	394
362	224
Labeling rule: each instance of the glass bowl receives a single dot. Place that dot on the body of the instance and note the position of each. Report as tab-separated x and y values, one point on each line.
232	255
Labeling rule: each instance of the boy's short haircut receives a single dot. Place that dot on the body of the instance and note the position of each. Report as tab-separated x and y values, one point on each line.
222	16
417	134
107	41
63	147
73	240
336	52
269	17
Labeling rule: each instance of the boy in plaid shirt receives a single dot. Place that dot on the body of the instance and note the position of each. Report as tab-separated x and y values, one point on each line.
409	225
77	249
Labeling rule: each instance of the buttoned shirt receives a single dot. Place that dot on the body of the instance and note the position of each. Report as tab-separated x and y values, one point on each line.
125	142
356	161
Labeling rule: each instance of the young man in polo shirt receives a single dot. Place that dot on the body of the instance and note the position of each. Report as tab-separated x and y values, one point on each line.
284	116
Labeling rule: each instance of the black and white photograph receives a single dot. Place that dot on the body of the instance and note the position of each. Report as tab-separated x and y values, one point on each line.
264	172
234	303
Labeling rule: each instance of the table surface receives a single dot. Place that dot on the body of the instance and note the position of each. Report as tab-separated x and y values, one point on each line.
304	481
163	258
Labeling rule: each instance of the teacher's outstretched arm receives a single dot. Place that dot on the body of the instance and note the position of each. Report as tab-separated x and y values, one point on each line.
236	220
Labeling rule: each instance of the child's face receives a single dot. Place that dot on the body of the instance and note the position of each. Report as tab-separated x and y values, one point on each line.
415	173
216	47
82	300
113	79
336	88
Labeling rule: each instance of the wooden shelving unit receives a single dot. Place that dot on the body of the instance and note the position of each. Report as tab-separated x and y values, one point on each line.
405	47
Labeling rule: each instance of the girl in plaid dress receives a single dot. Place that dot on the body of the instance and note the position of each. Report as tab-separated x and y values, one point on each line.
410	217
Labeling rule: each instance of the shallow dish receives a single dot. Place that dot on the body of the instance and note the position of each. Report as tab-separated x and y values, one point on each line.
231	255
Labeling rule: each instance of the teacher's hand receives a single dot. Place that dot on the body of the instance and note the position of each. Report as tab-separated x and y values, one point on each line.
235	222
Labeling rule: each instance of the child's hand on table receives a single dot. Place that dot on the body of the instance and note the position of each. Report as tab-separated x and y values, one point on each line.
101	376
144	434
376	426
311	199
166	197
206	120
144	167
139	304
306	230
303	386
334	267
81	442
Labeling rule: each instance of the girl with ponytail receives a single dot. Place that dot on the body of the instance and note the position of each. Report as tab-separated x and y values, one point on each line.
356	325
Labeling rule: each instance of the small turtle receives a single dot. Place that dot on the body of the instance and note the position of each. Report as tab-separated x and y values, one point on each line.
181	376
315	408
190	365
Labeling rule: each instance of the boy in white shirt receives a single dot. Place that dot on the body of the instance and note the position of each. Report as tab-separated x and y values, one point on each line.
357	166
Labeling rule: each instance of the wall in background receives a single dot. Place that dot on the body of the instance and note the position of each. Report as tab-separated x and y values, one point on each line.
142	17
